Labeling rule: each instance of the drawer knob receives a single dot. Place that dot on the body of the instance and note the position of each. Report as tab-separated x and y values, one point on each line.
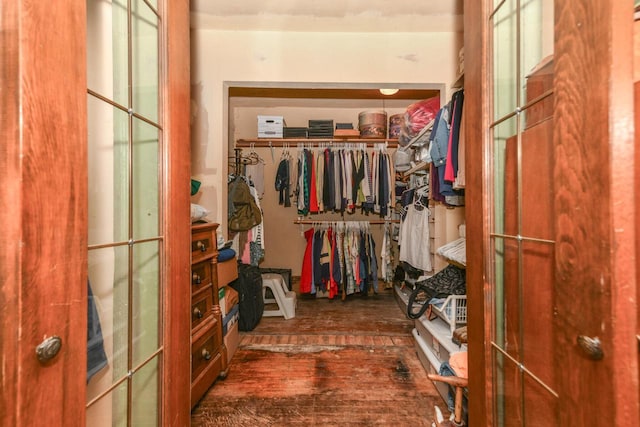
196	278
200	245
206	354
197	313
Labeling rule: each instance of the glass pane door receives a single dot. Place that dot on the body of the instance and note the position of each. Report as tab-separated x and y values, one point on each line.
522	249
125	232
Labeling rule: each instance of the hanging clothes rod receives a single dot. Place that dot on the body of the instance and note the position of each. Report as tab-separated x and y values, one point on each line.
370	221
291	142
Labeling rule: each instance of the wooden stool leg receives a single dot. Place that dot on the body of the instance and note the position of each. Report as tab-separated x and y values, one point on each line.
458	408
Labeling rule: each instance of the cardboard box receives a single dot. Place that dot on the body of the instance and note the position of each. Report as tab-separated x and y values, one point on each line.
231	295
270	126
231	332
231	341
227	272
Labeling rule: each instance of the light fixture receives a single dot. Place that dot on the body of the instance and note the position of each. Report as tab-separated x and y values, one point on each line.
386	91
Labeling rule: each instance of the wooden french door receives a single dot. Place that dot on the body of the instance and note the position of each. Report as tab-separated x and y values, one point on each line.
551	213
44	218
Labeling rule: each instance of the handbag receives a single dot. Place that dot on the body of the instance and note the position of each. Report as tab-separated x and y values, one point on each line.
244	213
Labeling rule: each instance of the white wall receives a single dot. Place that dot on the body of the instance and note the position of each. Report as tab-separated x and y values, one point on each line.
297	57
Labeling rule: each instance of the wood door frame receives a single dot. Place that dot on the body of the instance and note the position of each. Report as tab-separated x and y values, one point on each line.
477	211
176	396
579	36
43	170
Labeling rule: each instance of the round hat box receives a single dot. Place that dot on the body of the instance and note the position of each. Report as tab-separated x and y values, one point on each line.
372	124
395	125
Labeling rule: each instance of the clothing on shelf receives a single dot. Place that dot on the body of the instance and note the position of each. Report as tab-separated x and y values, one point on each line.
455	251
339	258
445	148
344	179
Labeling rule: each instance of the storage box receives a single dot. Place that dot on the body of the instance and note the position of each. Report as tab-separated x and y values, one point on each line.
231	296
227	272
231	341
270	126
230	331
232	317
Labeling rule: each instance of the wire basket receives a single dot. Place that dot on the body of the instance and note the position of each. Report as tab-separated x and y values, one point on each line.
453	311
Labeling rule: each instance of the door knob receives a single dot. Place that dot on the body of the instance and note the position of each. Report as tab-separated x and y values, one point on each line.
47	349
591	347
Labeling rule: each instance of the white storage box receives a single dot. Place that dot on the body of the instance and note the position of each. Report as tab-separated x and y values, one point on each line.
270	126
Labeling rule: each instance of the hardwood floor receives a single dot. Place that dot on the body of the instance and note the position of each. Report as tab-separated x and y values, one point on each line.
337	362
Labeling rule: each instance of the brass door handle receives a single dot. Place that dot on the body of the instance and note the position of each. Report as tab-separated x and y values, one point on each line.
201	246
197	313
48	349
591	347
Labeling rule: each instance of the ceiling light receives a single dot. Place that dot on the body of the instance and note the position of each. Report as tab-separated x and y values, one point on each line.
388	91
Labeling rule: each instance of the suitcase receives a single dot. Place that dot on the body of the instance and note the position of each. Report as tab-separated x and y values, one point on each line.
251	303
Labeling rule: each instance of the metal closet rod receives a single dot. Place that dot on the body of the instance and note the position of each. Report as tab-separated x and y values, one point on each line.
391	143
328	221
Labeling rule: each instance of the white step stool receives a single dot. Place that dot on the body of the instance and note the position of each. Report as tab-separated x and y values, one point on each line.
285	299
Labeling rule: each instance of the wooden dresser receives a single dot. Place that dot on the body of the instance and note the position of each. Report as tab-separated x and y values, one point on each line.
208	353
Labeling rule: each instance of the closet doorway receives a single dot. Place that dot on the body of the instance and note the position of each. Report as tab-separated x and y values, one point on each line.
298	103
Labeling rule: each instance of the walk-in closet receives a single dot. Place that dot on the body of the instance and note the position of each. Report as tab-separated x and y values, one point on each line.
356	221
320	213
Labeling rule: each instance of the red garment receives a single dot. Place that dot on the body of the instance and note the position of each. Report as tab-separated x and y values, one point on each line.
306	275
313	196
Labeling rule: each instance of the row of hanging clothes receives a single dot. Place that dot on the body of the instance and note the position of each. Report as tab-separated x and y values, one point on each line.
341	178
340	259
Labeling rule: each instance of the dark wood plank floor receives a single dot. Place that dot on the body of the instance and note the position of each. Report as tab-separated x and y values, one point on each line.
337	362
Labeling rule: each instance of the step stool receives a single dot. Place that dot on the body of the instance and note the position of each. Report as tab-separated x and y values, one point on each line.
285	299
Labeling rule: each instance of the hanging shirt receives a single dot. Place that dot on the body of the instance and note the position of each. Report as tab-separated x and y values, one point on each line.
313	192
255	174
320	180
415	247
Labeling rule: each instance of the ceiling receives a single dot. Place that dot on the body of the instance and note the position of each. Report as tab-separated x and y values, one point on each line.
328	15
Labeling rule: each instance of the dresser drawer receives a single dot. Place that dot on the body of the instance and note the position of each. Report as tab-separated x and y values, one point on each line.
203	243
200	275
201	307
205	347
